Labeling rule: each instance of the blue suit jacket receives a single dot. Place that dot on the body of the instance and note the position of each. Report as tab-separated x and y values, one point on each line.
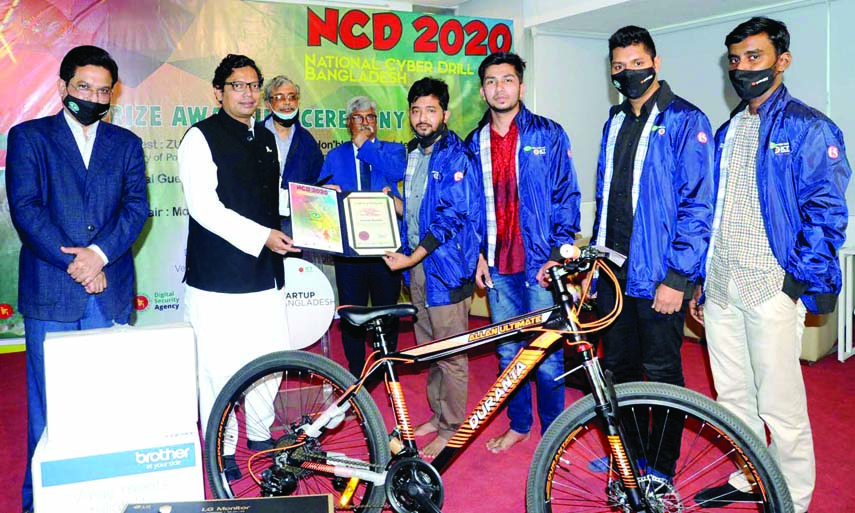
388	162
55	201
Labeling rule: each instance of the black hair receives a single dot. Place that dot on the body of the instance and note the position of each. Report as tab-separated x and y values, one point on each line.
632	35
87	55
776	30
229	64
429	87
502	58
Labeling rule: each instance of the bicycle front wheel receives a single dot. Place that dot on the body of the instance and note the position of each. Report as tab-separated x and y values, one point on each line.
260	409
572	470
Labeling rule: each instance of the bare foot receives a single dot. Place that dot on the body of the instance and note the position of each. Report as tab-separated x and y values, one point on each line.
425	429
504	442
430	450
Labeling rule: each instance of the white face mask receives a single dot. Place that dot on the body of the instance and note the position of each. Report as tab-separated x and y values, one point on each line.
286	116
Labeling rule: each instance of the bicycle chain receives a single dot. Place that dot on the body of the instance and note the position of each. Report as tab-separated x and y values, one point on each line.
365	465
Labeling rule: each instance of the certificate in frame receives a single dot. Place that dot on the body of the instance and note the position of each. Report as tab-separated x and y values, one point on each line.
371	223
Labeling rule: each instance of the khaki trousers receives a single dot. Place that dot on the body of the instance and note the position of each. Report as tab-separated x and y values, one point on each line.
754	356
448	379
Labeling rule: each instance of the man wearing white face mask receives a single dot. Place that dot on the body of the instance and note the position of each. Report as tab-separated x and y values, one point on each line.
300	157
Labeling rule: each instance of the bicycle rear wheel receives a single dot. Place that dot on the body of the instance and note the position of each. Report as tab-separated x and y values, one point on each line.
571	469
261	407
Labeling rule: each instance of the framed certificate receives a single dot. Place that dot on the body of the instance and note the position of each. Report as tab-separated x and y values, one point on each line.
350	224
372	226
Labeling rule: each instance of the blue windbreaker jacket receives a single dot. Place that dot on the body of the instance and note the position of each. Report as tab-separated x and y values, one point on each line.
450	221
802	174
548	190
671	224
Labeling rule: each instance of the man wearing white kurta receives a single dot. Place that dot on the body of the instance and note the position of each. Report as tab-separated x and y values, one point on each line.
234	297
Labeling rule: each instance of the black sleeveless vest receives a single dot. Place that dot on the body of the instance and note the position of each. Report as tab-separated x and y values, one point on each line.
247	183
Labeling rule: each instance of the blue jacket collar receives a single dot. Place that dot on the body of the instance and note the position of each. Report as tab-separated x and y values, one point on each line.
773	104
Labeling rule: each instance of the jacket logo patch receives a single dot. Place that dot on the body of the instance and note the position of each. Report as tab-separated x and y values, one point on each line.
659	129
268	149
833	152
537	150
779	148
436	175
702	137
458	175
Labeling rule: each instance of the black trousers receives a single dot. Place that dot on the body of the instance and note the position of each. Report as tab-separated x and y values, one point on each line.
645	345
359	279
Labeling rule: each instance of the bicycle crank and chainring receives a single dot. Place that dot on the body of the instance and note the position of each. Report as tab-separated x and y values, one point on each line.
414	486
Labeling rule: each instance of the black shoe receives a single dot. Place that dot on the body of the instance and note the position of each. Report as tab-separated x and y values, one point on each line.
231	469
261	445
721	496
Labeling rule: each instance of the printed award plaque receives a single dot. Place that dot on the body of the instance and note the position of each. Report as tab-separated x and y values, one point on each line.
372	226
350	224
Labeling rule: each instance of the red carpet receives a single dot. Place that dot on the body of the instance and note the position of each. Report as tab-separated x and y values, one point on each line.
481	482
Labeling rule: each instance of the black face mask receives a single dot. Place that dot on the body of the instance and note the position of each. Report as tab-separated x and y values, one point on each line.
751	84
85	111
425	141
633	83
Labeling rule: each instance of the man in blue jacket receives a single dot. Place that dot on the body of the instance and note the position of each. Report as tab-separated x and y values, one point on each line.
365	163
300	158
532	209
441	239
77	196
780	217
654	205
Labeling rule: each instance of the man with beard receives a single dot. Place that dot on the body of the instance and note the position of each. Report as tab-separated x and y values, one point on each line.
77	196
654	204
364	164
443	219
230	174
300	158
532	209
780	217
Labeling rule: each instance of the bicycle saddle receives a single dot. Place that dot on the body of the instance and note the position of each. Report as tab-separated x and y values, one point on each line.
359	315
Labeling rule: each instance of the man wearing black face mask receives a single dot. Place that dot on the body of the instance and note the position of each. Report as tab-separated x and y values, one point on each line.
441	238
300	158
780	217
654	204
77	196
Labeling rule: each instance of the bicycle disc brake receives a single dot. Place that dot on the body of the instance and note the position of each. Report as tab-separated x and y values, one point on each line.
661	495
414	486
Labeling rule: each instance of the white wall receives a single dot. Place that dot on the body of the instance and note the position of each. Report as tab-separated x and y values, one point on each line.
842	76
572	87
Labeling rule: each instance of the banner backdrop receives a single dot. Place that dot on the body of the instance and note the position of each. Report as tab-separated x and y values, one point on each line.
167	52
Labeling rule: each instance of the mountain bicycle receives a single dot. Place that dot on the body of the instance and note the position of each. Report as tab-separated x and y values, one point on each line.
319	431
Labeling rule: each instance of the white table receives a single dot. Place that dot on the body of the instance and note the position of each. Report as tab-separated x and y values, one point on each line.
847	302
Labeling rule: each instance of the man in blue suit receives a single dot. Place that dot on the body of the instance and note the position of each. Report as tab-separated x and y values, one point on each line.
365	163
77	196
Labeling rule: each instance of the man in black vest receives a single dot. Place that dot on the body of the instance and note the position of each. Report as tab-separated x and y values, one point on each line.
234	297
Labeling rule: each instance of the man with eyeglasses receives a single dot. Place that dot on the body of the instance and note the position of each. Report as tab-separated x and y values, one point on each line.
300	158
77	196
365	163
234	297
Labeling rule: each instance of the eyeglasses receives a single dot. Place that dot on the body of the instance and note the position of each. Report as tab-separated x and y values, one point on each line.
371	118
241	86
289	98
86	91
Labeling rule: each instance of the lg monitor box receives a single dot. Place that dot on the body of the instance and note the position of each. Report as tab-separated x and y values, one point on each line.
296	504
